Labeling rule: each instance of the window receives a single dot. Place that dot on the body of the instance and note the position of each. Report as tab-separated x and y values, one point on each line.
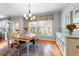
42	28
68	19
76	16
2	28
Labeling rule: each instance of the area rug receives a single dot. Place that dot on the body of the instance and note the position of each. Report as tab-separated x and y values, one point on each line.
37	50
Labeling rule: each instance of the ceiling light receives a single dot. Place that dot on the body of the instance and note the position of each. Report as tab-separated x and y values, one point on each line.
34	17
29	17
26	17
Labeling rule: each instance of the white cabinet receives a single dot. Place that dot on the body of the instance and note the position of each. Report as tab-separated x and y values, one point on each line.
72	48
60	40
68	45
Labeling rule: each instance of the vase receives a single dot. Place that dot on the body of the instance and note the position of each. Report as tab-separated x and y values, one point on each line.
70	32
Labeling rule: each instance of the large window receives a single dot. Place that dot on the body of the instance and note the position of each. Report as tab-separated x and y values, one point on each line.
42	28
73	17
2	28
68	19
76	16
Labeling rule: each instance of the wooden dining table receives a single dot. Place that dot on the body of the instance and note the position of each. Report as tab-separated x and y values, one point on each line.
26	38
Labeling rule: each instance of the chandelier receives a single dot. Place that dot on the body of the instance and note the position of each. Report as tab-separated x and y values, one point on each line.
30	16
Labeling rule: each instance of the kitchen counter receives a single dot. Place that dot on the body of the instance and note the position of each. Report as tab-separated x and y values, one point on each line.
76	36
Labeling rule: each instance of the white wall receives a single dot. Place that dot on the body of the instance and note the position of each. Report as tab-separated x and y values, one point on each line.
56	23
66	10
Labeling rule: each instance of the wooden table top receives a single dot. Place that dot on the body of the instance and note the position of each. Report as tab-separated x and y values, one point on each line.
25	37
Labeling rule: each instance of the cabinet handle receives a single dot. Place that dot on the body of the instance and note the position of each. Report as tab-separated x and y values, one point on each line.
77	47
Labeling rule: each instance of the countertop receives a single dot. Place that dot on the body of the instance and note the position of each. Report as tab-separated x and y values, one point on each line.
76	36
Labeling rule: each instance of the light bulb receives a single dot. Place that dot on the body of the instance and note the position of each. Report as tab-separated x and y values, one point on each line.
34	17
31	19
30	15
24	15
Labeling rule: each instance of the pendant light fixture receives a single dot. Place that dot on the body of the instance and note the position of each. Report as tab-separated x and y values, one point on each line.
30	16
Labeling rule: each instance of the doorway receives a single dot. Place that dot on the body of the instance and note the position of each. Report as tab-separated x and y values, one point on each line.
6	26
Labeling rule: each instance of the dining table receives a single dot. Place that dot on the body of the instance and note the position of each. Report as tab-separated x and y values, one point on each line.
26	38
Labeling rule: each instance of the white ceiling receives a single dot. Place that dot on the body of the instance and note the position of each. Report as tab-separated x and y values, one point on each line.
36	8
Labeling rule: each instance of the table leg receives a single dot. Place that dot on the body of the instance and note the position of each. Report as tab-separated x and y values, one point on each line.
27	48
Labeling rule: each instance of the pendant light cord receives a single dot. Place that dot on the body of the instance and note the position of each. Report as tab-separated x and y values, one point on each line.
29	8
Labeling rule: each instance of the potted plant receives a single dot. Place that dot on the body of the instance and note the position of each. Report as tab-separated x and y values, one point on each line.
71	27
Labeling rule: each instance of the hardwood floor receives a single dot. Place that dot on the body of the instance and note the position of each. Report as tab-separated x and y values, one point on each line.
55	48
52	44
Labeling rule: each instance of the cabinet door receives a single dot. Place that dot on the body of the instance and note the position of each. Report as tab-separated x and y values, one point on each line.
72	47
